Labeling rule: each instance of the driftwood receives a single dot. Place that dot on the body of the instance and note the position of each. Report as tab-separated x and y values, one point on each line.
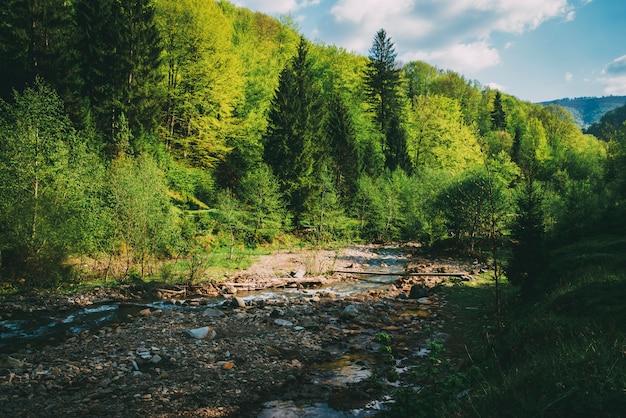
276	283
172	292
405	273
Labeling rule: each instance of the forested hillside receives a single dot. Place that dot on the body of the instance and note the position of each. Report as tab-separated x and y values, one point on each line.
588	110
137	133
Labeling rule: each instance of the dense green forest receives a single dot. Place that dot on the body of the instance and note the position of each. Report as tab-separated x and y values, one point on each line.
138	131
141	137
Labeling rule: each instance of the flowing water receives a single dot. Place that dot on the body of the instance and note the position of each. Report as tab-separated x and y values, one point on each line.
40	328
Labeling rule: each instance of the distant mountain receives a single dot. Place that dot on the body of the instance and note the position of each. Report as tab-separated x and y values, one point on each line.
589	110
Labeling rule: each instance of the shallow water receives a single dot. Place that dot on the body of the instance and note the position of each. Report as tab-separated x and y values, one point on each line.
41	328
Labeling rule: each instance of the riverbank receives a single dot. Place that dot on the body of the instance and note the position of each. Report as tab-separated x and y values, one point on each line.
250	351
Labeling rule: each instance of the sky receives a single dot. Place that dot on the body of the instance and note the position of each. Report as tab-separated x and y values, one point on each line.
536	50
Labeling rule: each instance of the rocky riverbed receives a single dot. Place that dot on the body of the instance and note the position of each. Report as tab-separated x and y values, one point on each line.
199	358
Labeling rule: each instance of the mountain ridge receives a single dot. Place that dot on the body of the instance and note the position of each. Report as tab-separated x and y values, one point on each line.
588	110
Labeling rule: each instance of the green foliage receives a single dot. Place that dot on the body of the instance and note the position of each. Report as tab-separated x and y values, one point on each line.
294	123
475	205
382	85
356	146
324	212
266	213
119	61
439	386
48	187
498	117
528	232
345	154
562	351
439	137
588	111
203	81
381	206
140	209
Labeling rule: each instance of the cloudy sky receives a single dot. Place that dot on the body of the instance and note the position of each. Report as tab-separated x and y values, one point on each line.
537	50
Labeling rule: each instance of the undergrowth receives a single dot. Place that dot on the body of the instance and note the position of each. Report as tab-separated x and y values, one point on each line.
560	354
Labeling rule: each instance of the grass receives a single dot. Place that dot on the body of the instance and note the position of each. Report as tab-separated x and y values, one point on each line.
559	354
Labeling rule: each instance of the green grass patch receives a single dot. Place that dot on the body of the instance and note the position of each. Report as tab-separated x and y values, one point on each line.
559	354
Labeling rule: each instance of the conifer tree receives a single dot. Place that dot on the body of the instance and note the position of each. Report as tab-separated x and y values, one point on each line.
528	255
382	85
120	53
344	147
498	117
292	129
36	40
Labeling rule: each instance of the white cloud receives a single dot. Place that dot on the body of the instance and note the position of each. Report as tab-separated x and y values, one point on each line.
569	76
496	86
465	58
614	86
614	77
454	34
617	66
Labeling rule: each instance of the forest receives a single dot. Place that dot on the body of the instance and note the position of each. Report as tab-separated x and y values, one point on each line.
141	131
140	137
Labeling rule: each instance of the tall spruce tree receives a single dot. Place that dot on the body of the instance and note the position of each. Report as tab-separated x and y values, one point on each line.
528	255
498	117
342	139
120	52
293	126
36	40
382	85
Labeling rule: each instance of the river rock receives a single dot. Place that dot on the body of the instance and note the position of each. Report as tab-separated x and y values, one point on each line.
349	312
419	291
238	302
213	313
307	322
283	322
202	333
298	274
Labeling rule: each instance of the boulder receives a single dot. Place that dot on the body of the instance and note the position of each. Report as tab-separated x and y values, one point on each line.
202	333
349	312
419	291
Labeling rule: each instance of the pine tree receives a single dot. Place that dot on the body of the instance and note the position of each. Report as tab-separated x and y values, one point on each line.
36	40
120	52
397	155
382	85
344	147
498	117
292	128
528	236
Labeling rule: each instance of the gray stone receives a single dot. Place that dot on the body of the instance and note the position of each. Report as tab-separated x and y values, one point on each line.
308	323
239	302
202	333
349	312
213	313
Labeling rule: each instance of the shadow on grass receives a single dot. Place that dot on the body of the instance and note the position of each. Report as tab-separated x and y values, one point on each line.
560	354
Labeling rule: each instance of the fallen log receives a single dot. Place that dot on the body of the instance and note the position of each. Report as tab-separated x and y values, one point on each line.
405	273
173	292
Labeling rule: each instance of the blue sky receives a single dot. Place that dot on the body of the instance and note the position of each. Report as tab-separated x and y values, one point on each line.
537	50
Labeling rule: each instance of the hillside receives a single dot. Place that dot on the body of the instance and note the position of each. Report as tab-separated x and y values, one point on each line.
588	110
